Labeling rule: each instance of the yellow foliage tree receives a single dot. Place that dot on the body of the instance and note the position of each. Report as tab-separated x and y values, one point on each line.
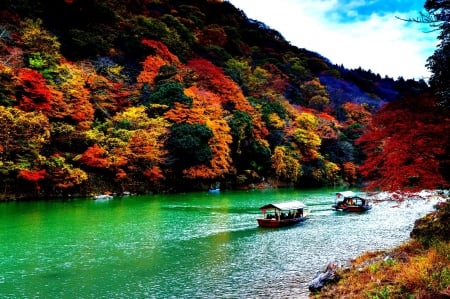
307	137
41	43
285	164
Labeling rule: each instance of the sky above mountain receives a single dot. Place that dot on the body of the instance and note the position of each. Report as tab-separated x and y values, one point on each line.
355	33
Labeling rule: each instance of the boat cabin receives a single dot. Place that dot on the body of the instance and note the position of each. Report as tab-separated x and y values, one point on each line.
282	214
348	201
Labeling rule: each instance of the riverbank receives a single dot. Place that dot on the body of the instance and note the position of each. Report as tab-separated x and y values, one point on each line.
419	268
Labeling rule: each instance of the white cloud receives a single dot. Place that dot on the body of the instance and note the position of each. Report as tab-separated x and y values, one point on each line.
381	43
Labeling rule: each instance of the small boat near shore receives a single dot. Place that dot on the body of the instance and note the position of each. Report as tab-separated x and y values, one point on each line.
282	214
103	197
348	201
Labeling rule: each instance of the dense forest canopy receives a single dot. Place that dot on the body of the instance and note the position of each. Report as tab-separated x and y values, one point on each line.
158	96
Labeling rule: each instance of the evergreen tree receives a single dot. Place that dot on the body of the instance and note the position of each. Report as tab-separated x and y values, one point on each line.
439	62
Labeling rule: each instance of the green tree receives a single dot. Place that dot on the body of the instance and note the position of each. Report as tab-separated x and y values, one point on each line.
188	144
168	94
437	16
241	128
439	62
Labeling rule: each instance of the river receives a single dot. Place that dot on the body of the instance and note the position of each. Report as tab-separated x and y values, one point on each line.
194	245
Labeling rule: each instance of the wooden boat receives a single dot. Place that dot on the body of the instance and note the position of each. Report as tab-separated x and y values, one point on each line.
348	201
282	214
103	197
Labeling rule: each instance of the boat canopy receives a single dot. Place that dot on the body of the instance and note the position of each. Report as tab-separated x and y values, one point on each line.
290	205
346	194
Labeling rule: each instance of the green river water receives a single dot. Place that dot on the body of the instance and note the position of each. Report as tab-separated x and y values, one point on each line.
194	245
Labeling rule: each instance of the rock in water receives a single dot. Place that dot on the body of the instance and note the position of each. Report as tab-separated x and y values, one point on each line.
322	278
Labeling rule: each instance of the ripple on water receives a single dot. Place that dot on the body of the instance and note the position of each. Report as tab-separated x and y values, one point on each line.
186	246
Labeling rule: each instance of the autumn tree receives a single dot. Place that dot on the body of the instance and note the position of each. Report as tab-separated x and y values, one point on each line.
152	64
33	176
74	102
109	92
63	175
315	94
130	146
33	93
42	47
22	139
306	136
7	86
406	146
212	78
207	109
285	164
95	157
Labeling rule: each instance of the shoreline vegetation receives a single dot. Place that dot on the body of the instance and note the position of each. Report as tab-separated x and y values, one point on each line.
418	268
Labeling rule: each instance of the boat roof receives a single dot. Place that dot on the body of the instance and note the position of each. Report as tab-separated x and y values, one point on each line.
289	205
346	193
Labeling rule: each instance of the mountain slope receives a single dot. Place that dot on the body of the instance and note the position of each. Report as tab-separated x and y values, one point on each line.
167	96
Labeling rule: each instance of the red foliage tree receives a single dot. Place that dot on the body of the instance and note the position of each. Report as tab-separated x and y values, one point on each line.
406	145
211	77
34	95
33	176
95	157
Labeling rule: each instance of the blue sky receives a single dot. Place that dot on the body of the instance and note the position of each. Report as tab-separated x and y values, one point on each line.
355	33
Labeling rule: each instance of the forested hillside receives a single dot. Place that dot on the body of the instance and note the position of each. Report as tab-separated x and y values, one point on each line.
165	96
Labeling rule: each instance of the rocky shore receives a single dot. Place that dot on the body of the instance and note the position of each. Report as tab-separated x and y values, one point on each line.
419	268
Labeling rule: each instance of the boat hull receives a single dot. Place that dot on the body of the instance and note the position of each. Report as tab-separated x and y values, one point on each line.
352	209
273	223
103	197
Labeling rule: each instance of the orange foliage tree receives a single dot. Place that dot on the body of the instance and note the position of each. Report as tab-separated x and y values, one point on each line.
153	63
75	99
211	78
95	157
